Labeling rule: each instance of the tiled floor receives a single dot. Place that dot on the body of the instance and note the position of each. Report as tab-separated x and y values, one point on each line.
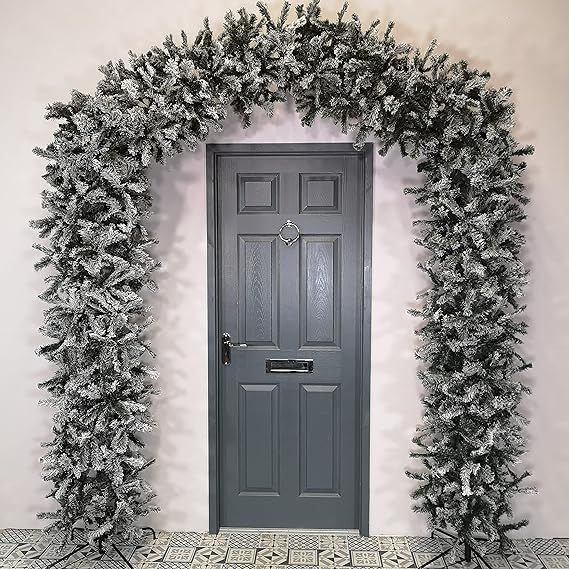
190	550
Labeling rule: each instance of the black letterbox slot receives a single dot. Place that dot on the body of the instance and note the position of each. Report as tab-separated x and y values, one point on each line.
289	366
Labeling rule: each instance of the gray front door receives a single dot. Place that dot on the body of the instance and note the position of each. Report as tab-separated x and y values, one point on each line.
289	443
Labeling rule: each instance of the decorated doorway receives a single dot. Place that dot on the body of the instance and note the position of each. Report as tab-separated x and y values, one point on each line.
471	437
290	334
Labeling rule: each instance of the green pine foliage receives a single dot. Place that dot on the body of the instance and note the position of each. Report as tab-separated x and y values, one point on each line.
170	98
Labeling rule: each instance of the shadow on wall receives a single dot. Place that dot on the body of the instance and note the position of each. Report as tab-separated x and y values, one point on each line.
546	408
180	441
395	390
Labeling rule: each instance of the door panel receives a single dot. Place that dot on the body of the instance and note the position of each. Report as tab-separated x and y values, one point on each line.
290	442
258	294
321	193
320	424
320	290
257	193
258	443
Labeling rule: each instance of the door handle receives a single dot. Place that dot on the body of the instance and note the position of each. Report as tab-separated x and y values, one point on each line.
226	345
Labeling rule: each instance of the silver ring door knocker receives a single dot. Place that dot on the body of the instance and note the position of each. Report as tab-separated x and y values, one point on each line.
288	241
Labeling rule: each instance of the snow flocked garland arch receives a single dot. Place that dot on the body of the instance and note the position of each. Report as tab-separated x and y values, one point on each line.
443	114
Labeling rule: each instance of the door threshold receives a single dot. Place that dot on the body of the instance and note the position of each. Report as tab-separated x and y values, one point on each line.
338	531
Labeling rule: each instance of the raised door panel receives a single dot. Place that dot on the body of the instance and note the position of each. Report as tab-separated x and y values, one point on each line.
258	290
321	193
257	193
320	291
258	452
320	423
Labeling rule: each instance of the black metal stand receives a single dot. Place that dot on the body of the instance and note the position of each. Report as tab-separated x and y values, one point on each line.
469	549
81	546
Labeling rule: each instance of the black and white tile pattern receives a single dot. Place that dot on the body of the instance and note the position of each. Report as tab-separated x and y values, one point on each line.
32	549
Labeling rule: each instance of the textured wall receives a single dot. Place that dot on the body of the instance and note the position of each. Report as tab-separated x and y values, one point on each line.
46	49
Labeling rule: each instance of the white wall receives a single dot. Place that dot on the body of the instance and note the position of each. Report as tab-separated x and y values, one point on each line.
46	49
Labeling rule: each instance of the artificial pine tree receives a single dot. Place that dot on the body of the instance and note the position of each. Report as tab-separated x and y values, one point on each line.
167	99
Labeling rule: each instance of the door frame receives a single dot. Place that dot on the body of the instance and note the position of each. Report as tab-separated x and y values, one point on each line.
213	151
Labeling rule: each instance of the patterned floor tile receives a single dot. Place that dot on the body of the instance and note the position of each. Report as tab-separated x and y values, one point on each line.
496	561
303	541
110	557
524	561
423	544
385	543
148	554
455	551
545	546
14	535
185	554
494	547
33	549
272	540
209	555
335	542
27	551
555	561
244	539
241	555
465	565
127	551
362	543
76	557
54	536
422	558
334	558
446	541
42	545
399	542
17	563
162	538
521	546
365	558
171	565
40	564
185	539
397	558
209	540
272	556
5	549
100	564
564	542
56	551
303	557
